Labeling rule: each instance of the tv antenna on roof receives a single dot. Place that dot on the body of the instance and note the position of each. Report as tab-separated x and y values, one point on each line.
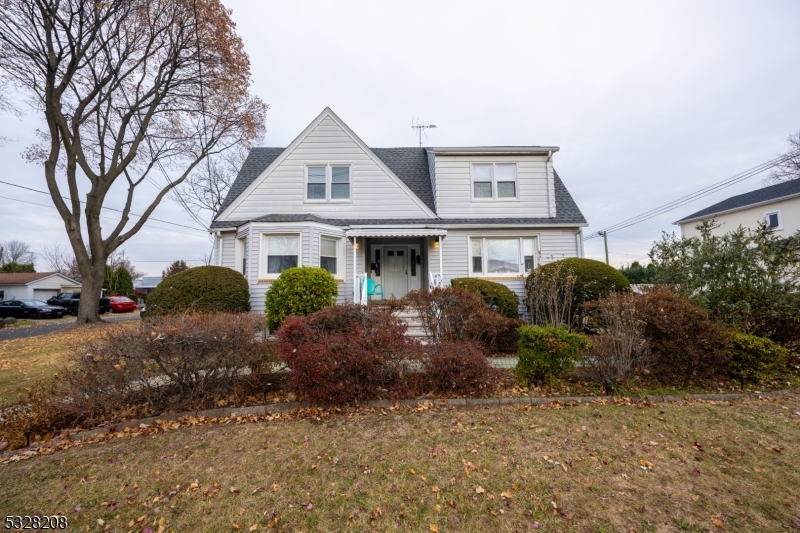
420	126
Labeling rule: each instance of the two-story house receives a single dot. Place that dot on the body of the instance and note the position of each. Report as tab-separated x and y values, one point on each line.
406	217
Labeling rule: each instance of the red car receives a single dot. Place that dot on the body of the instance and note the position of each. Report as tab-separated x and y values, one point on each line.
122	304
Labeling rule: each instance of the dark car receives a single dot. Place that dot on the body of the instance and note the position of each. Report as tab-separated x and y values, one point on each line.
71	300
122	304
30	309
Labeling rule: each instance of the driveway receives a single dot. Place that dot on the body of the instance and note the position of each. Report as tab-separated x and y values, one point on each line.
45	328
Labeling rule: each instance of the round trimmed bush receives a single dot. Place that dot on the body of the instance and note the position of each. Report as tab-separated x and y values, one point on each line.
593	279
204	289
756	357
299	291
497	296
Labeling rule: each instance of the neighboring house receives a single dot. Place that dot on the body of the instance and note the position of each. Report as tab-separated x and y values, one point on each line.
35	286
777	205
407	217
144	286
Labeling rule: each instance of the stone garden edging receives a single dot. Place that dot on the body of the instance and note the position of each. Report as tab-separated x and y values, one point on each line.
277	408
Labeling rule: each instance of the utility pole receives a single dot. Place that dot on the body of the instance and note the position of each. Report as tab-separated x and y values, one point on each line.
605	241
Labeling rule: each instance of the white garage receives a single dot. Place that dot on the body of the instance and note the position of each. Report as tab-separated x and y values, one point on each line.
35	285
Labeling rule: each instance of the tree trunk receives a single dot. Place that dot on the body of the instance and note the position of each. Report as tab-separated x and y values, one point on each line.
91	289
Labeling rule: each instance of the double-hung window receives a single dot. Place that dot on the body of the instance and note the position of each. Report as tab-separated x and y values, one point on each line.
329	254
773	220
502	256
328	183
279	253
494	181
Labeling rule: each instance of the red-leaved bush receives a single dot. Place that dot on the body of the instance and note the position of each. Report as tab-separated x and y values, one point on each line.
458	368
347	353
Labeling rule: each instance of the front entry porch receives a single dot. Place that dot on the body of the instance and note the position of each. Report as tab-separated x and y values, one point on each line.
398	260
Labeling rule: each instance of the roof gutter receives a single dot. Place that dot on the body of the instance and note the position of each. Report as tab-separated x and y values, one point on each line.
496	150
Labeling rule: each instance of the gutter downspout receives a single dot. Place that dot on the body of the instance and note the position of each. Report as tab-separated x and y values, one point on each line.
547	177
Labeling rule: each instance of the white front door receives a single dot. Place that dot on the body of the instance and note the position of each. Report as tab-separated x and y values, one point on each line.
395	271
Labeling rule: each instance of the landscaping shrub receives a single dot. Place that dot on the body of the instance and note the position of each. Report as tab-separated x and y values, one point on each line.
621	349
497	296
118	282
203	289
593	279
457	314
458	368
546	353
756	357
299	291
177	363
685	344
347	353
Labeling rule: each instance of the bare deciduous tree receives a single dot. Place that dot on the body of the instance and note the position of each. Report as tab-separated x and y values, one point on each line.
60	259
130	90
6	106
204	190
16	251
789	169
118	259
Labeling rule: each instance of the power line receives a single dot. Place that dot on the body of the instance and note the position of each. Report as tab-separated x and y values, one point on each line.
107	218
697	194
104	207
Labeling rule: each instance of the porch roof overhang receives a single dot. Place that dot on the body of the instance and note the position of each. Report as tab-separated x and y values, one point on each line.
396	232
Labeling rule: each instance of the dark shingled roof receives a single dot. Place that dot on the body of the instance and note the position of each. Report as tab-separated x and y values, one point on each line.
765	194
411	165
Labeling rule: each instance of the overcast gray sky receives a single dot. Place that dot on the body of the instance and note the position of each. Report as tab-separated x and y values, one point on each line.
648	101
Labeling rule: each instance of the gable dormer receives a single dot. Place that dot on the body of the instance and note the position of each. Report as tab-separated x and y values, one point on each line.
495	182
328	171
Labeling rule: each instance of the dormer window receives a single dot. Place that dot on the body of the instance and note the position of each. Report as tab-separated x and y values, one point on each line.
328	183
492	181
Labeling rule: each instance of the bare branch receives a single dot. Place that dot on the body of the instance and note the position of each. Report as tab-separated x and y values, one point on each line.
789	169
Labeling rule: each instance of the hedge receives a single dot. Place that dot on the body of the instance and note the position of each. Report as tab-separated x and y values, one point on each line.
593	279
756	357
497	296
203	289
546	353
299	291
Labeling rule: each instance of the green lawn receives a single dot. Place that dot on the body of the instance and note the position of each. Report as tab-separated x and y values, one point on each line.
591	468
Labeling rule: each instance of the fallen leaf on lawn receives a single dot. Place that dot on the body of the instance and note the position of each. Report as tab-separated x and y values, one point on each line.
718	523
435	488
756	469
274	487
412	471
253	527
506	494
434	527
234	525
695	472
479	489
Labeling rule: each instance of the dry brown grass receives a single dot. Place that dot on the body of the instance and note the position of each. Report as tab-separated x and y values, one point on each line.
598	468
23	362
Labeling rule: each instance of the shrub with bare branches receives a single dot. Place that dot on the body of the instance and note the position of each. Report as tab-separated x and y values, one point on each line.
549	294
620	350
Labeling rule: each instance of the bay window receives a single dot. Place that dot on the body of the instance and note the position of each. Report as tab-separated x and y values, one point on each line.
328	254
279	252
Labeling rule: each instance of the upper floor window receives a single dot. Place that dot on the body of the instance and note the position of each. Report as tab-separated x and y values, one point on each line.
328	183
774	220
494	180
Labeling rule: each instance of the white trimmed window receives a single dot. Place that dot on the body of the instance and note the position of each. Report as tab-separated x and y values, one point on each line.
328	183
279	252
502	256
773	220
492	181
329	254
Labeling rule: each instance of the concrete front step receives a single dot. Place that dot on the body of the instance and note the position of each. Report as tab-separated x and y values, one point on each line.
414	323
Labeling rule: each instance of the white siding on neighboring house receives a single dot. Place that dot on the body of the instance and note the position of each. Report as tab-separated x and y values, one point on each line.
372	189
14	292
788	209
454	188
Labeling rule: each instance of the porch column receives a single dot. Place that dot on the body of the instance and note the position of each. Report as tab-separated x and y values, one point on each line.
441	268
355	269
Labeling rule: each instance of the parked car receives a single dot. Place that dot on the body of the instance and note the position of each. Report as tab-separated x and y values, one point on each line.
71	300
29	309
122	304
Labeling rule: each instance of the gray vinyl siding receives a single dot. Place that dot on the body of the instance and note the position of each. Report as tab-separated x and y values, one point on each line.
453	191
228	250
372	189
554	244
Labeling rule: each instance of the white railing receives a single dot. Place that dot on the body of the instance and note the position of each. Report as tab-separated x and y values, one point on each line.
435	280
360	294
